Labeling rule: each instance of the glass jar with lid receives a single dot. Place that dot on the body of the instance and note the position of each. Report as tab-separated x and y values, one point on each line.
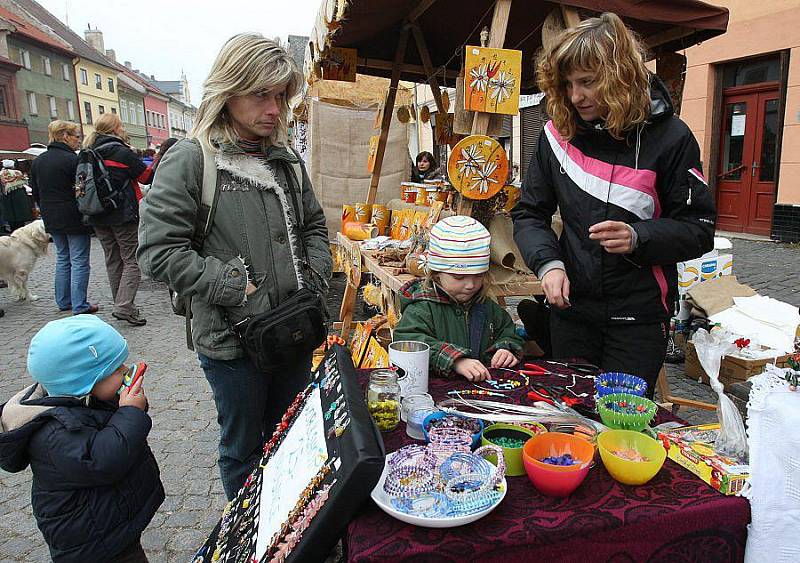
383	399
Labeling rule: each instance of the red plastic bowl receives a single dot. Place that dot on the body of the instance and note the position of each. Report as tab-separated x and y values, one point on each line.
556	480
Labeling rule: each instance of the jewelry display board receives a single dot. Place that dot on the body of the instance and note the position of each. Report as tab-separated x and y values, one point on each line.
318	466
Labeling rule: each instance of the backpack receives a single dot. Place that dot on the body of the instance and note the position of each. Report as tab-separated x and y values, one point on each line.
94	191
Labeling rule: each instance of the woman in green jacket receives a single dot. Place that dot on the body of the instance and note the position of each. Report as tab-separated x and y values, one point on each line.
449	310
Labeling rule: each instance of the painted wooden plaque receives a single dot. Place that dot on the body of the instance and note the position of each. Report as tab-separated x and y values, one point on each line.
478	167
492	80
340	64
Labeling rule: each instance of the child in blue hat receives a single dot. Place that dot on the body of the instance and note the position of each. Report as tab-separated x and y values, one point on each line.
96	484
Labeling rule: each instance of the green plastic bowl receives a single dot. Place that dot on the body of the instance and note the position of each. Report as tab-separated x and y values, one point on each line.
624	421
513	456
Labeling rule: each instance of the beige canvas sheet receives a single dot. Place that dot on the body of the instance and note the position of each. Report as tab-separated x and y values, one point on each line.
339	146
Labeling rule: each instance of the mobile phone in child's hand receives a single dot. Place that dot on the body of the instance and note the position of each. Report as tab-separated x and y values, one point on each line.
135	372
132	394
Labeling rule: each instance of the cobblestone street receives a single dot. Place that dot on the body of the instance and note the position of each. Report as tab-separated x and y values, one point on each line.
184	435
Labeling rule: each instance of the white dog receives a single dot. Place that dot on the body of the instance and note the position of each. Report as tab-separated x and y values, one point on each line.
18	254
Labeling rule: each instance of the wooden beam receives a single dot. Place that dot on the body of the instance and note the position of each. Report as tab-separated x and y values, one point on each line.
570	16
388	110
658	39
380	64
421	8
426	63
497	38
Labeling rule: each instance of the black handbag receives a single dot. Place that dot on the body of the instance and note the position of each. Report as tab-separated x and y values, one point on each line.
290	331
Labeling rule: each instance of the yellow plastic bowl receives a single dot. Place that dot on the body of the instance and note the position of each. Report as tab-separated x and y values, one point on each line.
631	472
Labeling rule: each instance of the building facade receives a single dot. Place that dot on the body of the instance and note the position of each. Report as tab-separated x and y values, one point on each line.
156	117
181	118
742	101
13	129
131	110
44	79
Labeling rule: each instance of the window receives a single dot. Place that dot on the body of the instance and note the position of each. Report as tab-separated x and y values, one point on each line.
66	70
53	107
111	85
98	81
123	108
160	121
141	114
84	77
147	116
71	110
87	110
25	58
4	101
48	70
114	111
34	108
101	110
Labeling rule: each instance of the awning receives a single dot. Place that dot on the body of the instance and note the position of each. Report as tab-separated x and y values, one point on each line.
373	27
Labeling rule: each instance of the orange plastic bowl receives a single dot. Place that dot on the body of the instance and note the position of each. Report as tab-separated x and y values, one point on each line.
556	480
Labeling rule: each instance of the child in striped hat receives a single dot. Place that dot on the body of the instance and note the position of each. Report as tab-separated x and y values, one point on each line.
449	311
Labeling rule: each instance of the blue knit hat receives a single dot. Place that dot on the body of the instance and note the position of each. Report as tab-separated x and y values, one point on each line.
70	355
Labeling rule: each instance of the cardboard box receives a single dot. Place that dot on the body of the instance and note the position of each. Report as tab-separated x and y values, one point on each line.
707	267
692	448
733	369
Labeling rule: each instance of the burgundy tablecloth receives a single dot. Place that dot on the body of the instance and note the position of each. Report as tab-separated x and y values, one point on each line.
676	517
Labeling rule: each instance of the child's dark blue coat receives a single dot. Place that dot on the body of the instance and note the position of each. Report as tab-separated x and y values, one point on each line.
96	484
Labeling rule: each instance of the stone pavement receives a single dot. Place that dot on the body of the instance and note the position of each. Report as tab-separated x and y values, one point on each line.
184	435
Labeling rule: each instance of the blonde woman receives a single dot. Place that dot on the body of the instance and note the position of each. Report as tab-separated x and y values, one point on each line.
252	258
117	230
626	174
52	180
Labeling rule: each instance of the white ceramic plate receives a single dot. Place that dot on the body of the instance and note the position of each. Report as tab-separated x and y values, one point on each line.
385	503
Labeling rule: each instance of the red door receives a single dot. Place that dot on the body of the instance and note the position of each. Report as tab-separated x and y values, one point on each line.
746	184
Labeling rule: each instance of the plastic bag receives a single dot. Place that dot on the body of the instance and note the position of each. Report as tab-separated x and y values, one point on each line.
711	347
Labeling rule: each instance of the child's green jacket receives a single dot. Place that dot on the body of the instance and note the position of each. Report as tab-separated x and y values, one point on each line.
429	315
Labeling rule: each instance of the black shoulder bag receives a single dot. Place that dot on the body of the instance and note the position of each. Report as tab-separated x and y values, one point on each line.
290	331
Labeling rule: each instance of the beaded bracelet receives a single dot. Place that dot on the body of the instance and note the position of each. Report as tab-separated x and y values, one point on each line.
413	455
472	502
462	463
448	440
426	505
500	471
408	481
460	485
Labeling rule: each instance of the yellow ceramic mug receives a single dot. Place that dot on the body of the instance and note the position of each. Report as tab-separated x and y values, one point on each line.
363	212
348	215
380	217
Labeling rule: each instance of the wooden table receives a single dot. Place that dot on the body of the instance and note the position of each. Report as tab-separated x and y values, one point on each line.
369	264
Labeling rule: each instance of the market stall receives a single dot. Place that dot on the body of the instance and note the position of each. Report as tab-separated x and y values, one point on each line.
455	39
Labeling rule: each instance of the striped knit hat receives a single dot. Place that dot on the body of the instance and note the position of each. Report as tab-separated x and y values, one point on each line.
459	245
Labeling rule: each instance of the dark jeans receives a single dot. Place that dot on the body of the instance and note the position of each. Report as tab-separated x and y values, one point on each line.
249	405
132	554
634	349
120	243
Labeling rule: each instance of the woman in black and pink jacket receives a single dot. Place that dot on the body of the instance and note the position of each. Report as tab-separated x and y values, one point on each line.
625	173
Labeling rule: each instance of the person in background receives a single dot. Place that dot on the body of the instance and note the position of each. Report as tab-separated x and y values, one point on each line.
118	229
425	168
449	310
626	174
162	150
15	206
52	180
82	429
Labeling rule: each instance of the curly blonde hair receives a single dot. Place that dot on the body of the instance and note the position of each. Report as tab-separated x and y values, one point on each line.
246	64
607	48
